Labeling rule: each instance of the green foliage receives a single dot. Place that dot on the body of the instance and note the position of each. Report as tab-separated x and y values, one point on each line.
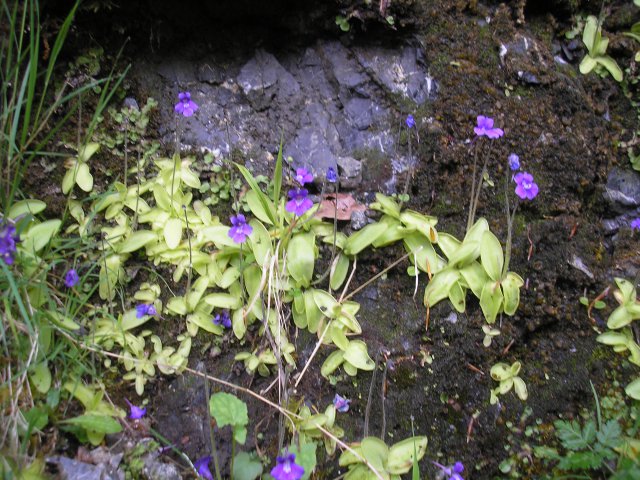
620	335
596	57
390	462
247	466
508	377
589	447
227	409
343	23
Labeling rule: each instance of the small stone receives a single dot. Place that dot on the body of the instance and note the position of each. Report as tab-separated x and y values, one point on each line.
623	188
131	103
350	171
358	220
210	74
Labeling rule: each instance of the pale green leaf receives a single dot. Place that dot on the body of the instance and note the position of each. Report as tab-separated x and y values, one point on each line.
137	240
491	301
491	256
356	354
38	236
363	238
511	292
173	232
401	454
22	207
96	423
301	258
84	179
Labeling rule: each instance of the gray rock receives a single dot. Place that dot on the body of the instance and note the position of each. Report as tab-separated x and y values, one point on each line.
350	172
262	78
154	469
358	220
210	73
398	74
130	102
312	148
346	72
359	112
70	469
622	189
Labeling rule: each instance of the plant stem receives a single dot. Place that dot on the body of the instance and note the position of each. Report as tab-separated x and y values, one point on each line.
186	219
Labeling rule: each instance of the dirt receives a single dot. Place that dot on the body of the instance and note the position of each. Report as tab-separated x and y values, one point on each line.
565	128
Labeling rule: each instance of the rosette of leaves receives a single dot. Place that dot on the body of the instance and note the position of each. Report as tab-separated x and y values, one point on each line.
99	417
596	57
307	427
388	462
78	172
620	336
498	290
508	377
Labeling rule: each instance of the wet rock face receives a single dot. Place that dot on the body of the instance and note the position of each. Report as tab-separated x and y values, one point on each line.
333	104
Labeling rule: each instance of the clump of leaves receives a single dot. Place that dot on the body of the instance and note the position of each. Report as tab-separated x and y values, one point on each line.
596	58
593	446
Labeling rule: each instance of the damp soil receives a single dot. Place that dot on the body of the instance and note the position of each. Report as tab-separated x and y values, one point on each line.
433	370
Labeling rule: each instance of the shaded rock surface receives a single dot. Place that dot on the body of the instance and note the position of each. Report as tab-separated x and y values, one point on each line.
333	103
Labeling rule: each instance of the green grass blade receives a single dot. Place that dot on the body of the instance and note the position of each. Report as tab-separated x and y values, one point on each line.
264	200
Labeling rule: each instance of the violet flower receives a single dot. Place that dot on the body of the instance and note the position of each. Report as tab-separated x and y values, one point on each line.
145	309
514	162
410	121
71	279
186	106
526	188
240	229
223	319
303	176
202	467
341	403
300	202
8	240
136	413
286	468
635	224
332	176
451	472
485	128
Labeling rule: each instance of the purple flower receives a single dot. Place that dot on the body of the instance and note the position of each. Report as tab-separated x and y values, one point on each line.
303	176
485	128
514	161
240	230
451	473
71	279
223	319
410	121
145	309
202	467
341	403
300	202
332	176
186	106
136	412
8	240
526	188
286	468
635	224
